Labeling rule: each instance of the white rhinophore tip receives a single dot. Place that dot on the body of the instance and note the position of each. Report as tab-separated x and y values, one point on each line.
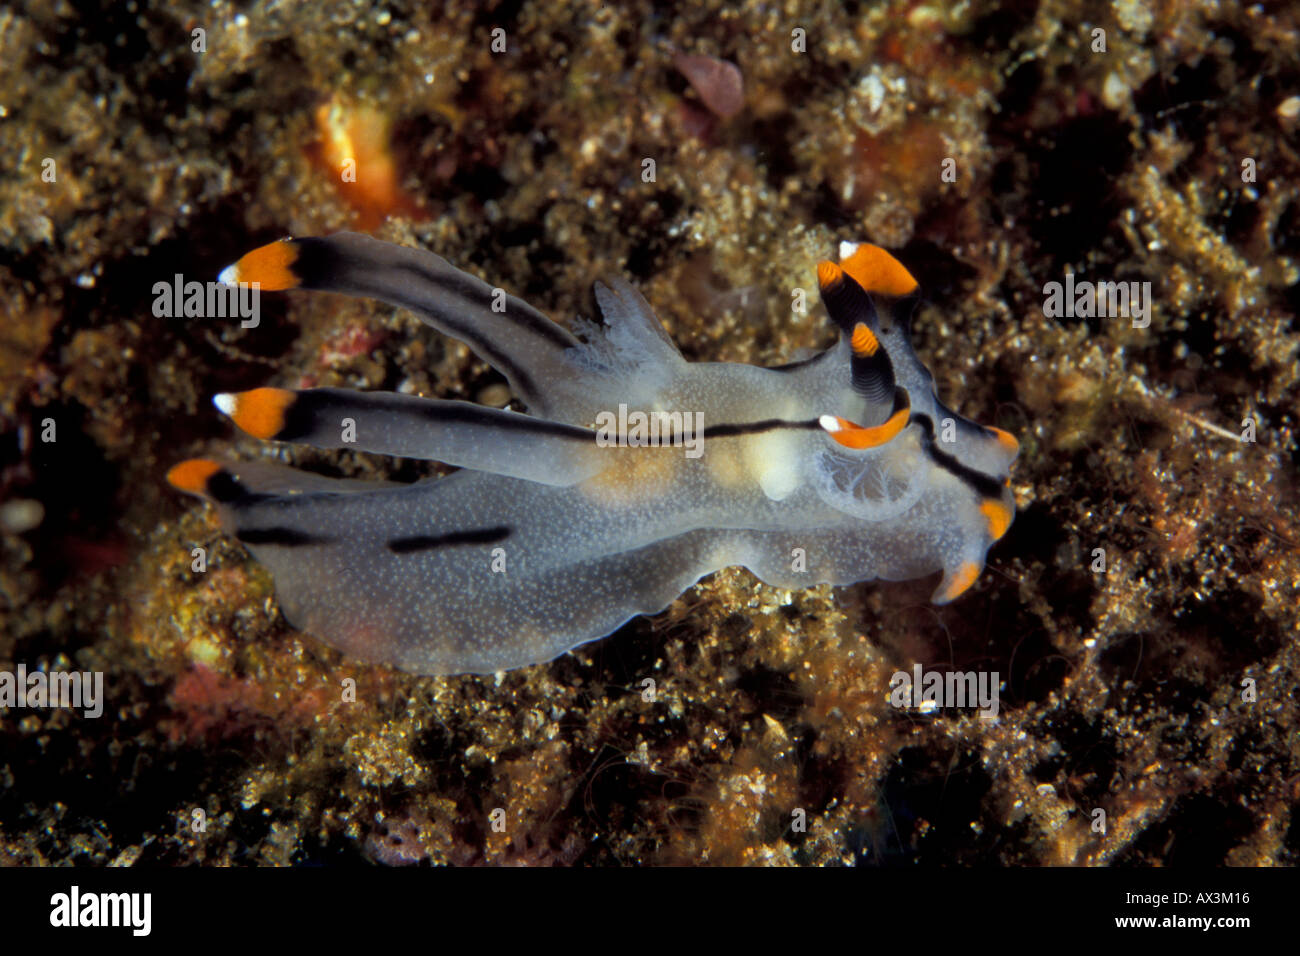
847	249
229	275
225	403
829	422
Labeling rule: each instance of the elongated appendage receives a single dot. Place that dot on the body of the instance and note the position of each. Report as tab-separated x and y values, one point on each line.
855	314
389	423
508	333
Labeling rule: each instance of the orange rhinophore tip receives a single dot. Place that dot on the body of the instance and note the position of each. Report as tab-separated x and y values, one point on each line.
960	582
259	412
270	266
864	341
851	435
828	273
192	476
1006	440
998	516
875	269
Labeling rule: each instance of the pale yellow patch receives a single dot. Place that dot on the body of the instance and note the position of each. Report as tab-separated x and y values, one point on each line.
634	474
773	461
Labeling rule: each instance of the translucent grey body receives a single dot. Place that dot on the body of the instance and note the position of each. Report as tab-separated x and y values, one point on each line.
587	537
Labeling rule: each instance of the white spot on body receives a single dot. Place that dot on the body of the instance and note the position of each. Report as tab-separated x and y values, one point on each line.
772	461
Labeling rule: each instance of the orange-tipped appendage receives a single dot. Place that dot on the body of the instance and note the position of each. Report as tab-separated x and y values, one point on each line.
998	515
828	273
864	341
270	266
259	412
1006	440
961	581
851	435
877	271
192	476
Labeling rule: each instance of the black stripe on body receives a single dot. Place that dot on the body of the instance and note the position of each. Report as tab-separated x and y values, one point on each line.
286	537
985	485
311	407
732	429
727	430
425	542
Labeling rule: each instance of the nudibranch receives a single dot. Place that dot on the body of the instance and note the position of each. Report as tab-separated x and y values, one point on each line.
568	520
